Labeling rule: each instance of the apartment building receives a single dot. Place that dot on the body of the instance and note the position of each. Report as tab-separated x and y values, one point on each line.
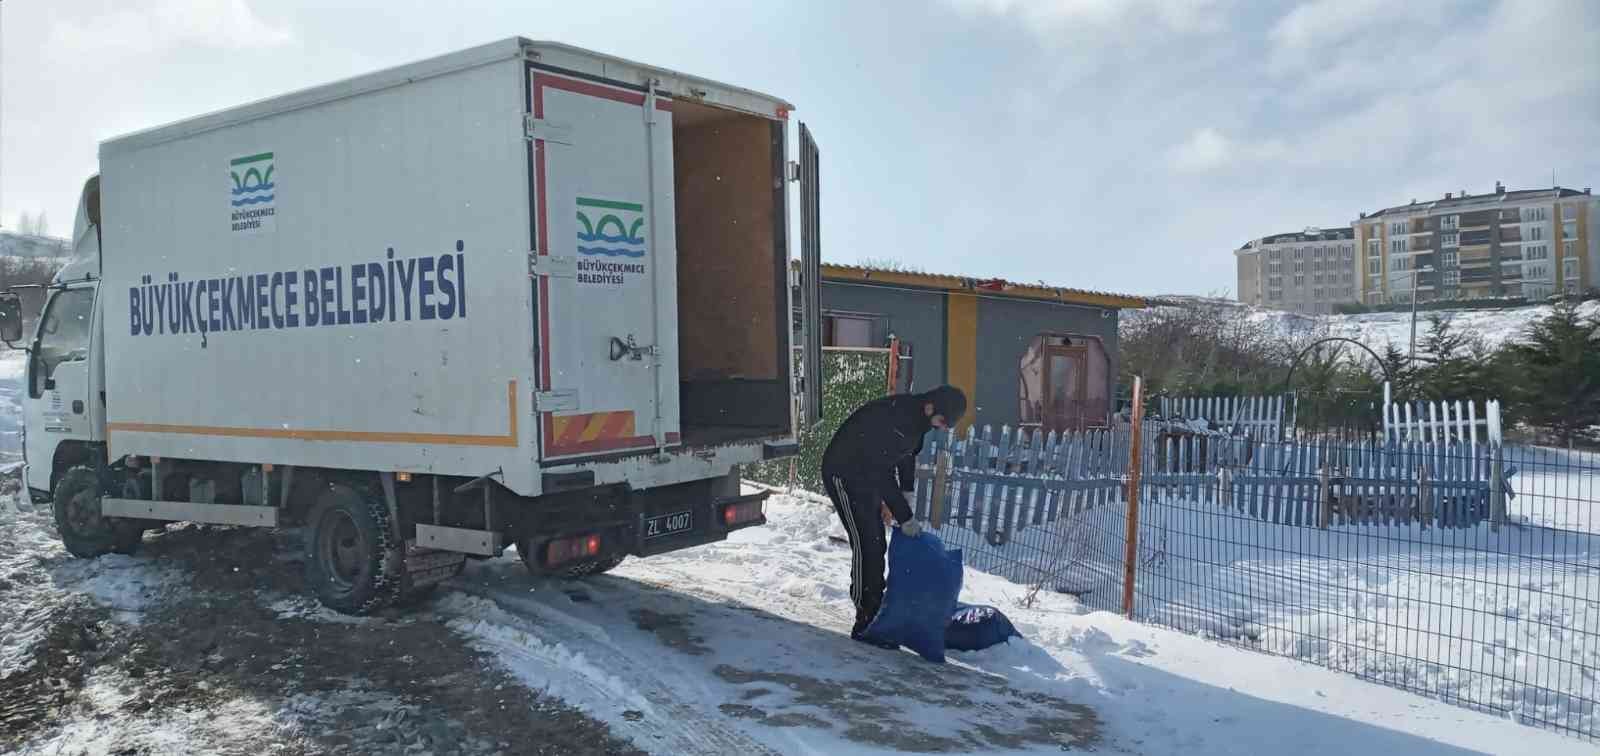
1529	243
1309	271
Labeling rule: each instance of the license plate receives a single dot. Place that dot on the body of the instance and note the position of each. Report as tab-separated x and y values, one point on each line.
667	524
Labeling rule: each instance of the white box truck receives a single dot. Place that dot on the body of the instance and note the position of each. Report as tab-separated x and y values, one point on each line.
522	293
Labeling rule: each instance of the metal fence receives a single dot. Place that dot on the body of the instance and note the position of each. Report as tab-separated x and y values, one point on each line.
1461	570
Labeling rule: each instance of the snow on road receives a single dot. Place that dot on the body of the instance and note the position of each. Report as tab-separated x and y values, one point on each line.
741	646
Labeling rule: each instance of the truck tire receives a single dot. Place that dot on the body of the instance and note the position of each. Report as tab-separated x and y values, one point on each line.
526	550
84	531
354	565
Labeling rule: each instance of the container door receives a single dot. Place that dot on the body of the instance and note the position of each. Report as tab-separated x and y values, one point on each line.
606	261
810	280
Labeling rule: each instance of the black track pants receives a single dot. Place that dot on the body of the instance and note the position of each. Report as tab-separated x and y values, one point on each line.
858	508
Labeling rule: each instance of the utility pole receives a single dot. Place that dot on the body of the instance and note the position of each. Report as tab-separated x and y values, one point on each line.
1411	354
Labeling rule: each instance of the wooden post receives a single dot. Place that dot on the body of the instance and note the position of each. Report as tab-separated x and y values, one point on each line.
894	364
941	476
1424	497
1130	557
1325	496
1497	488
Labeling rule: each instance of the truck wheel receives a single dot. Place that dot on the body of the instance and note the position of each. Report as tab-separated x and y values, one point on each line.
527	550
84	531
354	566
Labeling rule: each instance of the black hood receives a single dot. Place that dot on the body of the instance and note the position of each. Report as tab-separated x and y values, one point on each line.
947	401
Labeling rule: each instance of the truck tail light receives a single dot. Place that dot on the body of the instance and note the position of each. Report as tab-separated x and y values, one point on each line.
740	513
575	547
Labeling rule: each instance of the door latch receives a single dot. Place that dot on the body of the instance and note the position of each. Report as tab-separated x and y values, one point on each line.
629	349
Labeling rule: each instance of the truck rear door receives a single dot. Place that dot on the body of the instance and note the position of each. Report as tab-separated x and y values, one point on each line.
606	268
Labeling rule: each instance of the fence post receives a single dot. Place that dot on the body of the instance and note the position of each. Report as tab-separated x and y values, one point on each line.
1497	488
1325	496
1424	497
941	476
1130	557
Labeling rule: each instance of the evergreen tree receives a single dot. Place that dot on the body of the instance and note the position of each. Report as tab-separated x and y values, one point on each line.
1402	376
1560	366
1449	363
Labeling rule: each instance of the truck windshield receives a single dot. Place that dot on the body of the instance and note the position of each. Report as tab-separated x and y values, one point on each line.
63	333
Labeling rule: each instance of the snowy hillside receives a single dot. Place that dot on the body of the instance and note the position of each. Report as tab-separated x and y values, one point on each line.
1379	329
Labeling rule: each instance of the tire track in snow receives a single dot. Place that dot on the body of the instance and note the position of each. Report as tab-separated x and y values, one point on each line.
539	643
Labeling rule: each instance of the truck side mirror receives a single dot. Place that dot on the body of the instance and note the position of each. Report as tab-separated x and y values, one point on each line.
10	318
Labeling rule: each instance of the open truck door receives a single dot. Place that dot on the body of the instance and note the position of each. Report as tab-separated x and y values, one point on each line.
810	281
606	259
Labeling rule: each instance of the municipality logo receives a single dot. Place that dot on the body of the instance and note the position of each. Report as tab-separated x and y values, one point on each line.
610	229
252	194
611	245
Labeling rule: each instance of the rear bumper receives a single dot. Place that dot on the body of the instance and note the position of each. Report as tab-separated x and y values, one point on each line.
708	525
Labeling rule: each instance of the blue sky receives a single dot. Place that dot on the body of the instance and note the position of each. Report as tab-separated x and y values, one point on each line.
1120	145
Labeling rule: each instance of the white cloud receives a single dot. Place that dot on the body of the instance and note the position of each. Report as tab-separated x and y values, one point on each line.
1204	150
1208	149
1047	17
165	25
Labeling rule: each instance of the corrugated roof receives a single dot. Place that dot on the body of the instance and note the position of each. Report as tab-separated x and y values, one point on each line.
1516	195
997	287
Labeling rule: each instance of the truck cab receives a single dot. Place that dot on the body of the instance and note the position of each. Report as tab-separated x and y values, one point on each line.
62	405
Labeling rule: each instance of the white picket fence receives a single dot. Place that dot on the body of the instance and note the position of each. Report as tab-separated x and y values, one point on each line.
1260	418
1440	422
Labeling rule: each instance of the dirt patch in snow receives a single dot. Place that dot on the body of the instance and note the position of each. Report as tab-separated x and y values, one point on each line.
77	636
674	630
236	658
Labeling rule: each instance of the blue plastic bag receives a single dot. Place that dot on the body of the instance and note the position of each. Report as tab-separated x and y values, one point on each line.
974	628
919	595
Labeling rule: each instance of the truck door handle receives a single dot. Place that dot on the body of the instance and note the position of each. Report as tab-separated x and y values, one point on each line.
629	349
49	384
77	406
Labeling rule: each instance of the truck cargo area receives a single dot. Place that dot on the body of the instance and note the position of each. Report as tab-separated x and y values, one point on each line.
732	275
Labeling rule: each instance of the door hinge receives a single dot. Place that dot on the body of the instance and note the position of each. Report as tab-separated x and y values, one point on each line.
539	128
552	266
555	400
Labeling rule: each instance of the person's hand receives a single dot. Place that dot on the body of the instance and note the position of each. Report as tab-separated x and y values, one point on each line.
883	512
911	528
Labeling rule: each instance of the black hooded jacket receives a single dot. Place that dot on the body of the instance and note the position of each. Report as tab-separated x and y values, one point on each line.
878	444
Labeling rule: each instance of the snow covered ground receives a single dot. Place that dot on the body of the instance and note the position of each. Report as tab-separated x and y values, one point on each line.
753	628
1379	329
733	647
1556	488
1504	621
13	362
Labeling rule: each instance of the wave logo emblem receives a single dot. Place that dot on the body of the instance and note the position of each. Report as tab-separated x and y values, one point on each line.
607	228
252	195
